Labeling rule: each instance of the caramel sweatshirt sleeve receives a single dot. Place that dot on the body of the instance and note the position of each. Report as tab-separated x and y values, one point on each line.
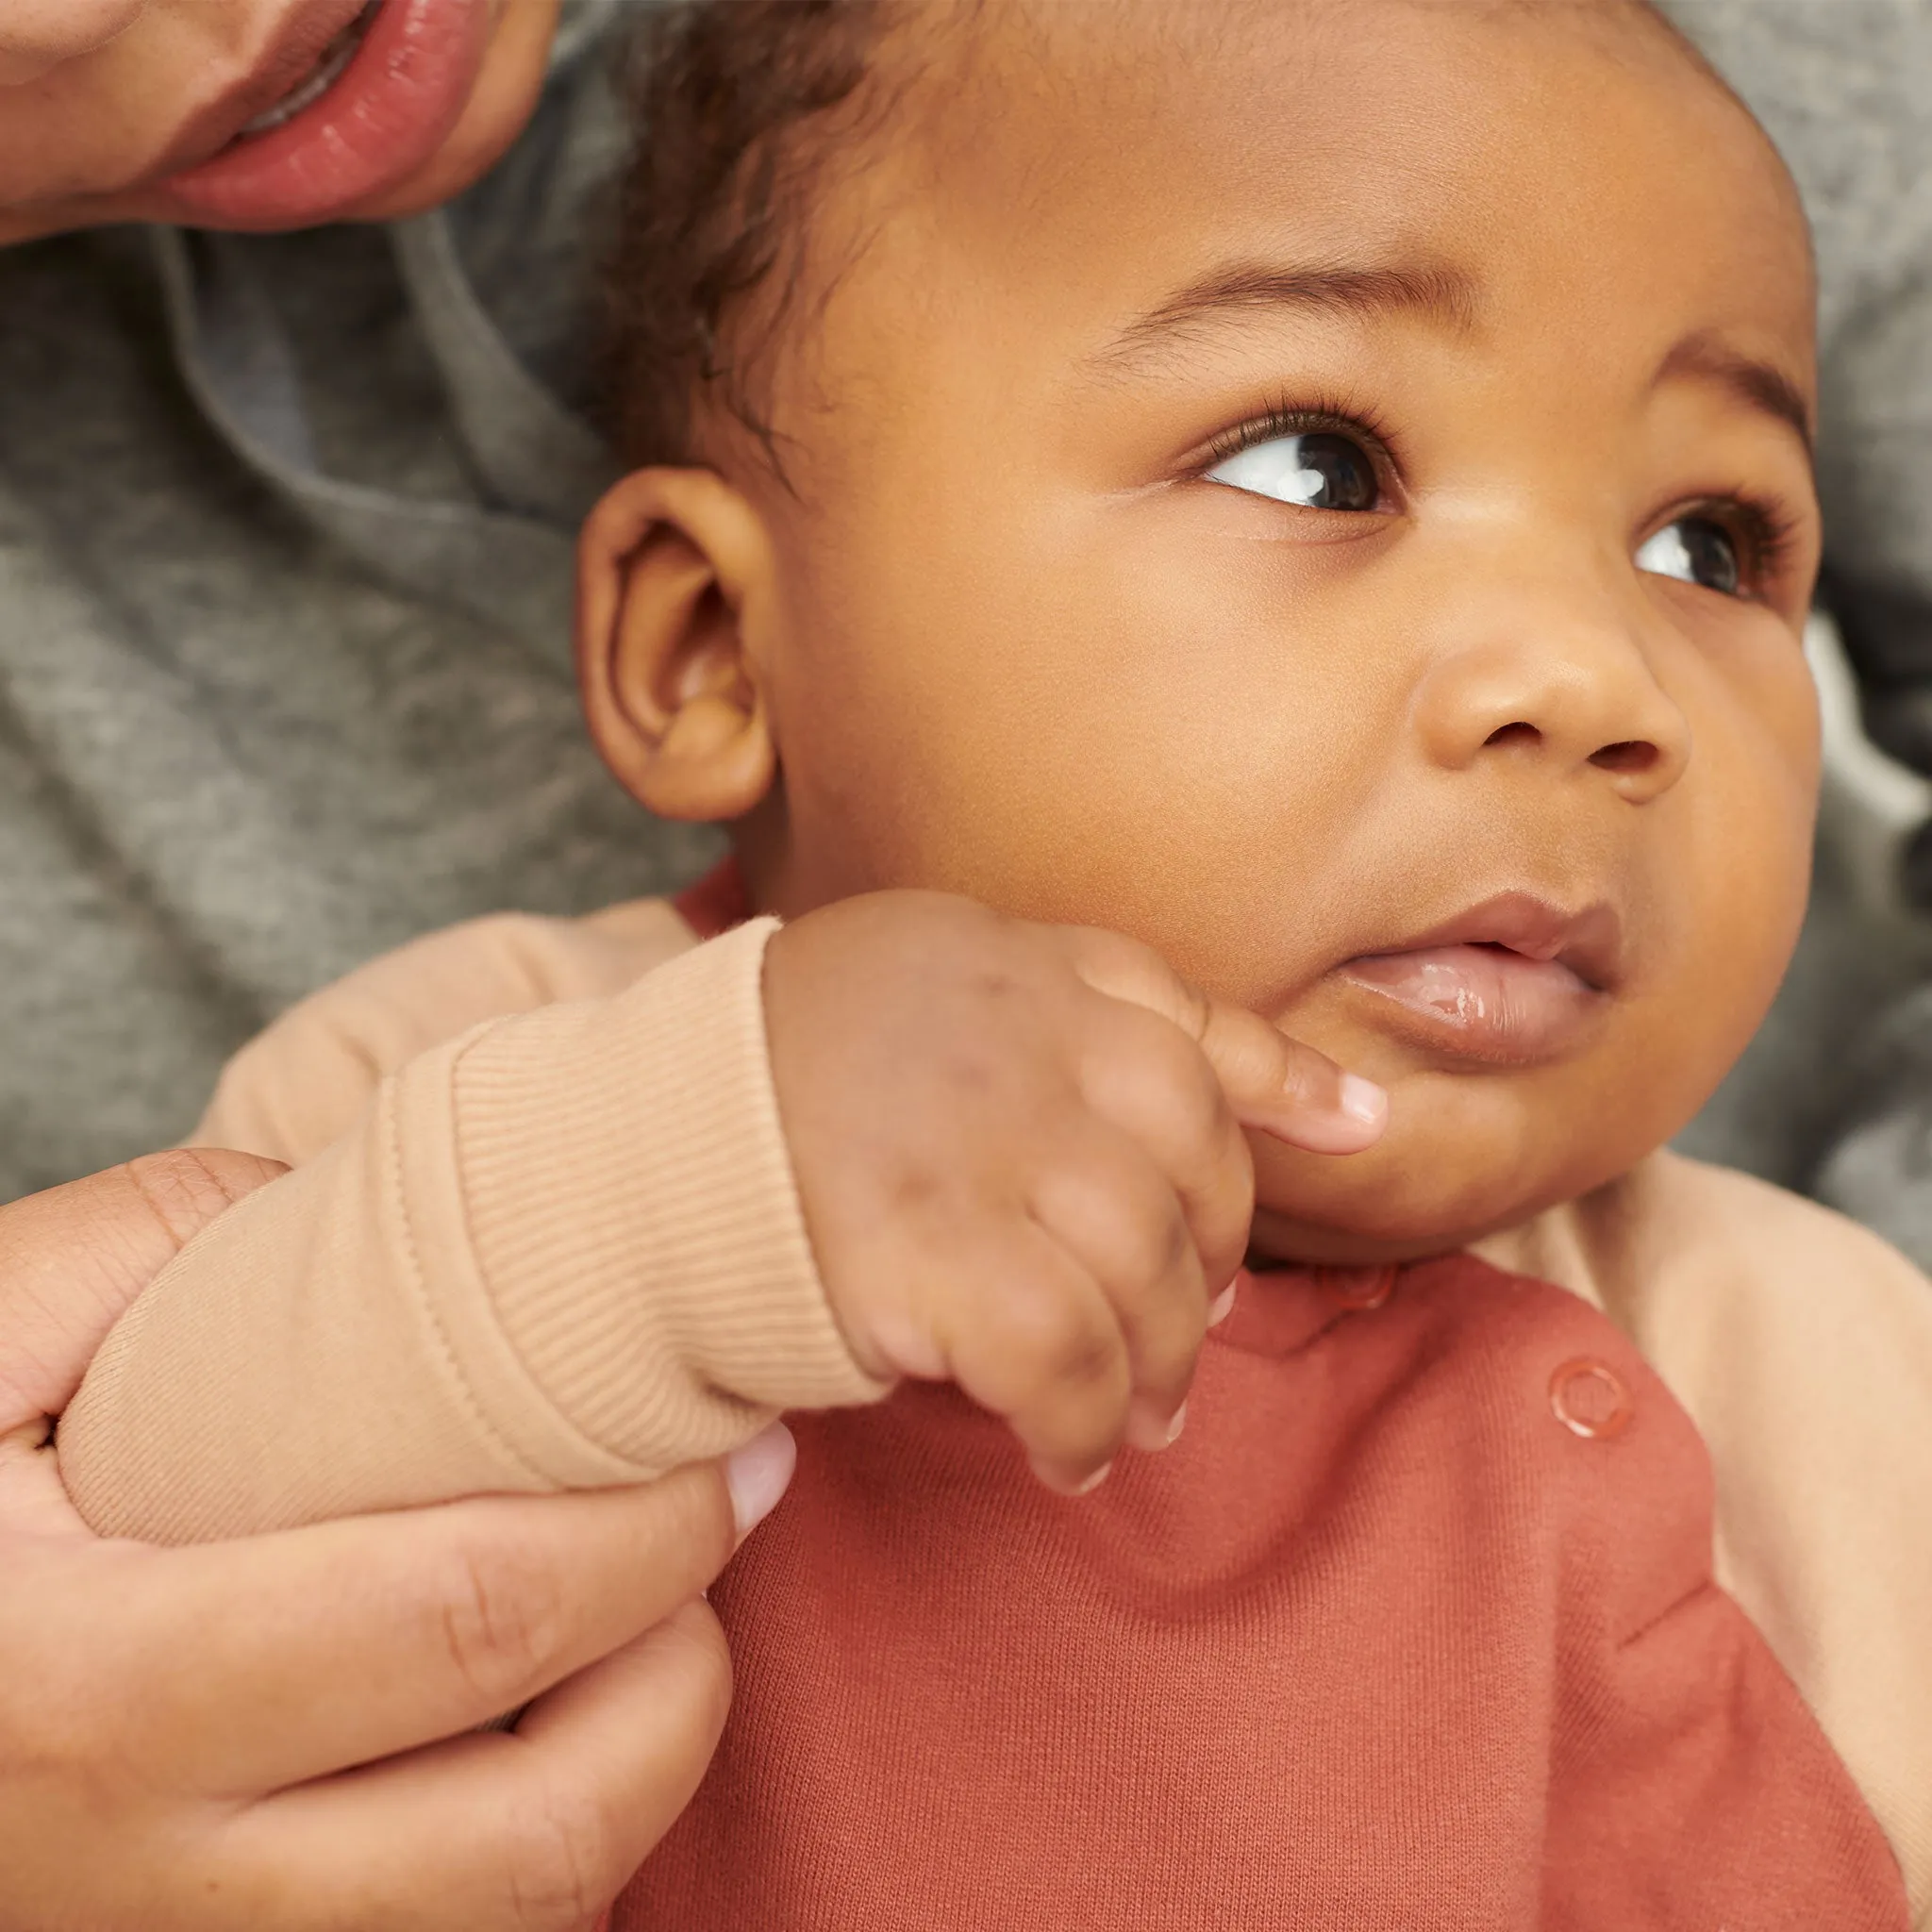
562	1249
303	1081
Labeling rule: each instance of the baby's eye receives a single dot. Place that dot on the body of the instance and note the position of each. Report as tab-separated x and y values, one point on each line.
1319	469
1695	551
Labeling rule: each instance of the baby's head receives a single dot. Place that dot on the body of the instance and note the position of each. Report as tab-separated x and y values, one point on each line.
1320	486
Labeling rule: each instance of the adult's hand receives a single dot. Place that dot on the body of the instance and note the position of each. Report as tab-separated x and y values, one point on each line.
243	1734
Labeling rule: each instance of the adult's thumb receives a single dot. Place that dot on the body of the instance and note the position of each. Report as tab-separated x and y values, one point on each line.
72	1257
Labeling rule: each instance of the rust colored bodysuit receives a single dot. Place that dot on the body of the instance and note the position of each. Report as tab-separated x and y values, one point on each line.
1414	1627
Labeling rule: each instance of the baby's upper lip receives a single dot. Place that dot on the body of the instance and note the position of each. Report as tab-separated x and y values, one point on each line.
1589	941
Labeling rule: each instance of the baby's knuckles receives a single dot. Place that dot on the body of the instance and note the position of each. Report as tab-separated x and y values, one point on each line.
917	1036
1046	1353
931	1058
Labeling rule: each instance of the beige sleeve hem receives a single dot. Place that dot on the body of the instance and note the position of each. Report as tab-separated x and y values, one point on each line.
598	1157
565	1250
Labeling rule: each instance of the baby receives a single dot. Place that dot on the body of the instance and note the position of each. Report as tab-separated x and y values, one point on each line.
1235	570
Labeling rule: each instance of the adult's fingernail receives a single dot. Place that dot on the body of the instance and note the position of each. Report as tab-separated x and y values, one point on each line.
1222	1307
758	1476
1363	1101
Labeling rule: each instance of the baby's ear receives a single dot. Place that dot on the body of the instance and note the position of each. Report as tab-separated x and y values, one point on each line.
674	567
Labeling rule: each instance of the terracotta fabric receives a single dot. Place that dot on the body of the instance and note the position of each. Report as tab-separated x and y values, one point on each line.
1380	1643
713	905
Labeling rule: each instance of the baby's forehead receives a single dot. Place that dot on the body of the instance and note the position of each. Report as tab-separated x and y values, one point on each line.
1078	57
1079	151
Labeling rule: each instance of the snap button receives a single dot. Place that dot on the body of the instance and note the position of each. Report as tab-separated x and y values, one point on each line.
1359	1289
1588	1399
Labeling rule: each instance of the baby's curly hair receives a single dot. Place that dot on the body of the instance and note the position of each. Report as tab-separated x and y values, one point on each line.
714	207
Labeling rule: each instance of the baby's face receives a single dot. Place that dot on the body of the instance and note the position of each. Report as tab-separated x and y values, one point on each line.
1322	489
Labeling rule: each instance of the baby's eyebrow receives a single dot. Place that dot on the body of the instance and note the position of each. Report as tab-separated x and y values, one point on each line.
1362	291
1759	385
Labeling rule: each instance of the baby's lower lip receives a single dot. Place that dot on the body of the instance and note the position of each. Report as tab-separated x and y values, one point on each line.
1481	1002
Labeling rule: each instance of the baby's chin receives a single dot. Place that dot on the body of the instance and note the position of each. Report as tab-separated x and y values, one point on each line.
1283	1237
1443	1176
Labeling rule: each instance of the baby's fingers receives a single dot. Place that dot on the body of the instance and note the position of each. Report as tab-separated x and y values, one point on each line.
1043	1348
1289	1089
1272	1082
1144	1076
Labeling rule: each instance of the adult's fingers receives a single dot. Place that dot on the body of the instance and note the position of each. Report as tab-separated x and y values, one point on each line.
534	1830
680	1669
1272	1082
72	1258
320	1648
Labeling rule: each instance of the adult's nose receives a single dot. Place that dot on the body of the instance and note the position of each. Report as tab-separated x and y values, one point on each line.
37	36
1566	688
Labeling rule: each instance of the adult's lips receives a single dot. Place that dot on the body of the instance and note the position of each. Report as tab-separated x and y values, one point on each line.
1512	981
329	69
377	91
309	34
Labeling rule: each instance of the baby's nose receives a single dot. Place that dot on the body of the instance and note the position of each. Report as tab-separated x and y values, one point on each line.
1589	701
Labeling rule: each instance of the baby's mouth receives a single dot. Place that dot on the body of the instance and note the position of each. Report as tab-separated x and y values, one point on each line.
1513	981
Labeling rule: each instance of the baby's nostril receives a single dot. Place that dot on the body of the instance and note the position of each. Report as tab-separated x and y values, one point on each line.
1518	733
1627	754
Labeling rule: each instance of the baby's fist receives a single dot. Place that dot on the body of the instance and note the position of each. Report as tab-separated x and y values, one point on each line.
1019	1150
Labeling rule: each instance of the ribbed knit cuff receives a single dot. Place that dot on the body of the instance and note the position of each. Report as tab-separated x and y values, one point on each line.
632	1215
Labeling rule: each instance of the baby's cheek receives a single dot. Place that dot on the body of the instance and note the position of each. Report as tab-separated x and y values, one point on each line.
1741	895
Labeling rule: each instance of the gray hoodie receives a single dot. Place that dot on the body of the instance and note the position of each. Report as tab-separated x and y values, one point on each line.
285	555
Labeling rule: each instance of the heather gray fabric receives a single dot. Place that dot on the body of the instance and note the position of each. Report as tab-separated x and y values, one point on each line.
284	585
1845	89
283	567
1835	1093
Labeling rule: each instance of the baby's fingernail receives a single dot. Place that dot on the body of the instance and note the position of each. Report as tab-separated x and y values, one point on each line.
1362	1100
1094	1481
1222	1307
1177	1422
758	1476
